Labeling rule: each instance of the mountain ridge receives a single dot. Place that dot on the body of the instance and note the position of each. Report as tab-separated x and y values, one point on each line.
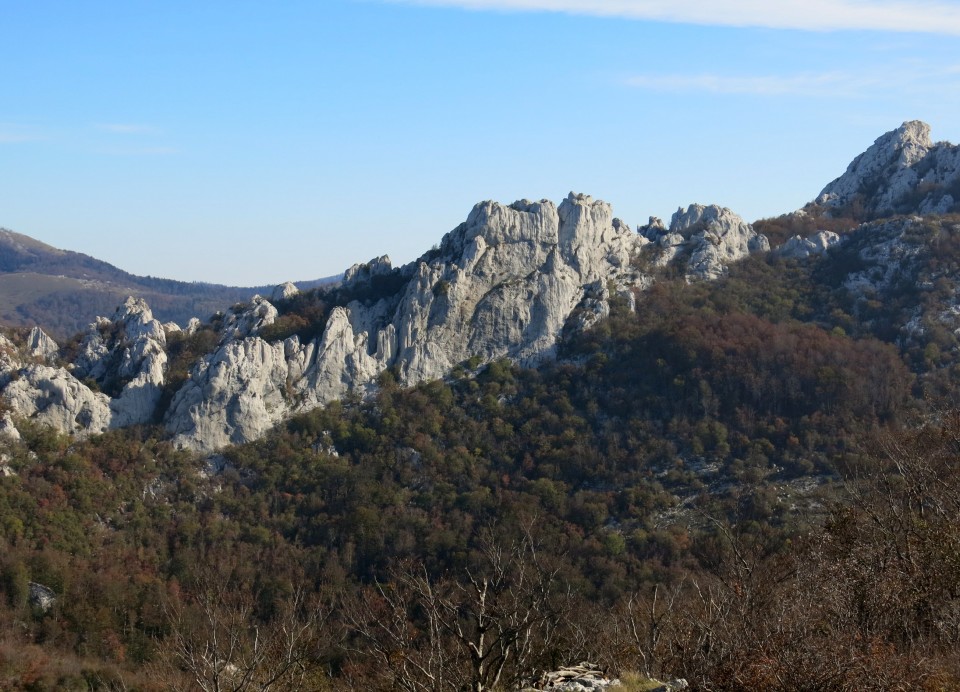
36	277
509	282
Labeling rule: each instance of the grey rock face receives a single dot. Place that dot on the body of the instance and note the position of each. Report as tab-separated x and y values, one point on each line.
502	284
239	325
142	362
284	291
10	360
55	397
8	429
366	271
710	237
234	395
39	345
800	248
128	352
718	237
505	283
41	597
902	172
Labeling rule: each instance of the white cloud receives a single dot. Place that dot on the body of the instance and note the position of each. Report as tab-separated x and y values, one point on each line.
924	16
828	84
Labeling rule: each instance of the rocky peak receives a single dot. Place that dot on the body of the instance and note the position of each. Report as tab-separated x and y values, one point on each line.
247	320
359	273
284	291
125	356
902	172
505	283
39	345
501	284
710	237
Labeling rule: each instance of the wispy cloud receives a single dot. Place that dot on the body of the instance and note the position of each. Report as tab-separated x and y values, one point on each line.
127	128
826	84
924	16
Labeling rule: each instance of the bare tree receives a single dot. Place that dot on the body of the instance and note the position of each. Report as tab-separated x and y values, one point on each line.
217	642
476	632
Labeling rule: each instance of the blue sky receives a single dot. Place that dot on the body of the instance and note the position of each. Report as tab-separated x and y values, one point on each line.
249	143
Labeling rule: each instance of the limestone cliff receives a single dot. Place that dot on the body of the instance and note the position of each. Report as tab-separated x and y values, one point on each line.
502	284
707	239
903	172
125	357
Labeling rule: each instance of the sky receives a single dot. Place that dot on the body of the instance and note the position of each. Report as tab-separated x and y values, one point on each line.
250	143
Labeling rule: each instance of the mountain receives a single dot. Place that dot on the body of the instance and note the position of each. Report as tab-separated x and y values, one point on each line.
708	449
64	291
904	172
512	281
508	282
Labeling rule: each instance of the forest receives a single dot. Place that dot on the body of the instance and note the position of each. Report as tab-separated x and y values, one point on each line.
752	483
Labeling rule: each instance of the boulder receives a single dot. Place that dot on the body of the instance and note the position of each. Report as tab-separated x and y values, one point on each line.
284	291
41	597
800	248
583	677
8	429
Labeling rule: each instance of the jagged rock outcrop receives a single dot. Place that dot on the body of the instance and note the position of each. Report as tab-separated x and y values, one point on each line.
125	356
127	353
505	283
235	394
903	172
54	397
10	360
250	320
284	291
798	247
502	284
707	238
39	345
378	266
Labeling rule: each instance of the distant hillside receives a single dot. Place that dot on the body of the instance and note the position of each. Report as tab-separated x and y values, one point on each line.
64	291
